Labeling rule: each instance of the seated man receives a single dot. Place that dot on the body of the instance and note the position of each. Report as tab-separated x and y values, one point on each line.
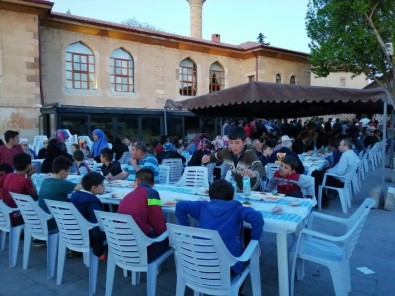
140	159
111	169
86	202
224	214
19	182
347	162
144	205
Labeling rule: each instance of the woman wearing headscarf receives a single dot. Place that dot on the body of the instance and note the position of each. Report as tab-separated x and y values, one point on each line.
56	147
99	143
203	149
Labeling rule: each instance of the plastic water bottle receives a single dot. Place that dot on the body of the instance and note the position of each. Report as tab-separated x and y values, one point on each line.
39	180
315	151
246	186
234	184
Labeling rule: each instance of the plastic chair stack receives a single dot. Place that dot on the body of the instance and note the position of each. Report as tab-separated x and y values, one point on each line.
36	227
204	262
127	248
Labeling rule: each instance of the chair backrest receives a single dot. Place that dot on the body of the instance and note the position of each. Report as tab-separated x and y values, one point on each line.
194	176
5	221
73	139
164	172
38	142
127	243
125	158
202	258
73	227
176	168
309	189
355	224
210	170
35	218
271	168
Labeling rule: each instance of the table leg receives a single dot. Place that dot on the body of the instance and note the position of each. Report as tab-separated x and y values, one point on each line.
282	263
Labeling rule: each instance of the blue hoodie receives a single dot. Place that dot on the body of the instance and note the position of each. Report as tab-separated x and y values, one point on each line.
226	217
86	203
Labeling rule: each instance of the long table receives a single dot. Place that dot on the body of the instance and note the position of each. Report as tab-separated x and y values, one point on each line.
294	211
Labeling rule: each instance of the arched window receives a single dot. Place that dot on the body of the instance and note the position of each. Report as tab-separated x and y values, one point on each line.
80	67
217	77
278	78
292	80
121	71
187	78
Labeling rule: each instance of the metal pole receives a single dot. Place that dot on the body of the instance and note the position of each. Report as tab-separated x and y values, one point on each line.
165	119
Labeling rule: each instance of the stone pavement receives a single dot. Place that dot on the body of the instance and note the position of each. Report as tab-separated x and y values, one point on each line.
375	250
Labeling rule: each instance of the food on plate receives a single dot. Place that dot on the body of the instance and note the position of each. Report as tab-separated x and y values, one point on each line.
246	203
277	210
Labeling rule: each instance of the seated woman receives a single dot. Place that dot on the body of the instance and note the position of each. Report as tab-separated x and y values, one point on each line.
99	143
169	151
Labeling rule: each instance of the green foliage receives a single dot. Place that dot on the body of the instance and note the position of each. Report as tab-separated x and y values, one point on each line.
349	35
261	39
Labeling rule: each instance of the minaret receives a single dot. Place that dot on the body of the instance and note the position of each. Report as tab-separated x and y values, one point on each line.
196	17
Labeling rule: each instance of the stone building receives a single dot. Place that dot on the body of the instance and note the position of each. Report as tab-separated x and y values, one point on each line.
65	71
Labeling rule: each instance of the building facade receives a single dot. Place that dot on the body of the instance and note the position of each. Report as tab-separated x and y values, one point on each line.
64	71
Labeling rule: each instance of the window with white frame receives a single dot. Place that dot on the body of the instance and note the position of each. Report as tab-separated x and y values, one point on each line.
217	77
187	78
80	67
121	71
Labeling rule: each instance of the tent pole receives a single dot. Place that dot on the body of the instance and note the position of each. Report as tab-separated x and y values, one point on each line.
391	137
383	191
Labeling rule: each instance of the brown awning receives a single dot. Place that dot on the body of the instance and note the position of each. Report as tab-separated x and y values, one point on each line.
272	100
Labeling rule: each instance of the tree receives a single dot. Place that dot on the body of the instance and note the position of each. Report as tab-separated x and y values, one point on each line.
135	23
261	39
350	35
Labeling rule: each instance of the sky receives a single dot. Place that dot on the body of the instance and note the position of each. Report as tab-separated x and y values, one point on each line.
282	22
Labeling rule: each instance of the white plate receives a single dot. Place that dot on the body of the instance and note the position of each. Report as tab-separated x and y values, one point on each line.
272	196
169	203
200	191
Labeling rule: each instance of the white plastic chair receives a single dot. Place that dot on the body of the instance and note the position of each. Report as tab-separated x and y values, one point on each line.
127	248
331	251
125	158
71	140
345	192
194	176
176	168
164	172
38	142
204	262
14	233
271	168
36	226
74	235
210	170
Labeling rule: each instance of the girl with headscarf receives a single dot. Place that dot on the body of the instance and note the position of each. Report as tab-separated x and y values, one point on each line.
203	149
169	151
56	147
99	143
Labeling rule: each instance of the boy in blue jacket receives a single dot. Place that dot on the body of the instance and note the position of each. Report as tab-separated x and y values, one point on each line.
224	214
86	202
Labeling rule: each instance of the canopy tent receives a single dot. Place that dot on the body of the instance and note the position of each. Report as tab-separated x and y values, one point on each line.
273	100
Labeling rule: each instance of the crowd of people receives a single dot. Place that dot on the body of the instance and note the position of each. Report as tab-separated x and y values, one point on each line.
246	148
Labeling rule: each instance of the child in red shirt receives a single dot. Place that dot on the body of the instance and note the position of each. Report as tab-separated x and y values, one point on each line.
19	182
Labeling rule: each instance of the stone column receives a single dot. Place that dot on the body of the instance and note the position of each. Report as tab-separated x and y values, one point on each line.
196	17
